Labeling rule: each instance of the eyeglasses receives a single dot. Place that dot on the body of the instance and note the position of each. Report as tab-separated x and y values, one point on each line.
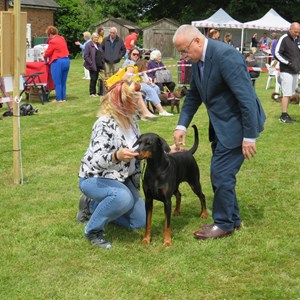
186	50
135	54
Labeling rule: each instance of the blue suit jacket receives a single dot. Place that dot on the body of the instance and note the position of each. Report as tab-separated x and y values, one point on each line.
233	107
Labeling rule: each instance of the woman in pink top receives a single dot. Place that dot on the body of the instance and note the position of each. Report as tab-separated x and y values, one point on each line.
57	55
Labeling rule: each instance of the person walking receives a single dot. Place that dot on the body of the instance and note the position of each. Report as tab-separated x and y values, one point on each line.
114	49
287	52
221	81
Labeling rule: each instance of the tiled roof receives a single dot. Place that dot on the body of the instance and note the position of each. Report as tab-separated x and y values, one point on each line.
126	23
39	3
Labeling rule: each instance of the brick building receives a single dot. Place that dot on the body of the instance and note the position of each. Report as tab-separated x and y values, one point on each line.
40	14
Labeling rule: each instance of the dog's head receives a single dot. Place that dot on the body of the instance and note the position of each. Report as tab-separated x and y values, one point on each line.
150	144
181	92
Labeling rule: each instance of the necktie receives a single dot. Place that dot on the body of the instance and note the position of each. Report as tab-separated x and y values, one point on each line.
200	64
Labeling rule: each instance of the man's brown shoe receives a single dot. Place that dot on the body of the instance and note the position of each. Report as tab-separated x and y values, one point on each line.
206	226
213	232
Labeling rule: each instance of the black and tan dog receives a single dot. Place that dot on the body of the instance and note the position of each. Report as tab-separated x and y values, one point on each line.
163	174
295	99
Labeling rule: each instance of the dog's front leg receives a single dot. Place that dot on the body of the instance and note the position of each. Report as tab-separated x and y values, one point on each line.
167	228
149	209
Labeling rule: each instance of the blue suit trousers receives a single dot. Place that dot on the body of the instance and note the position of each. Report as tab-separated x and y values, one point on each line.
225	165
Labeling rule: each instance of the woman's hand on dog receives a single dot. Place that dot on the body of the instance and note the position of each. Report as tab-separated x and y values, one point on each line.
125	154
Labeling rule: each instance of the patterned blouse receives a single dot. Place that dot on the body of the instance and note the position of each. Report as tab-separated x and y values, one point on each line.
107	137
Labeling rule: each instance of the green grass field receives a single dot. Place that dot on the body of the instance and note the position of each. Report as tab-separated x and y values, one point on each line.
44	254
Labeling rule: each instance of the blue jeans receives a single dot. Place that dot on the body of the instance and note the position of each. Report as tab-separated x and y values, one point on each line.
152	91
113	201
59	72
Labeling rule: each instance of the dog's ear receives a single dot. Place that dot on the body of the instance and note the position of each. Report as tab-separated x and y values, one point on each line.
164	145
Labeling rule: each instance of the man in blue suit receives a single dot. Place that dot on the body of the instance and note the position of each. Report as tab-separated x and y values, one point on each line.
221	81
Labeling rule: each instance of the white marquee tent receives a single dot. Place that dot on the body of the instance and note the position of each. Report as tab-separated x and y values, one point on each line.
220	19
271	21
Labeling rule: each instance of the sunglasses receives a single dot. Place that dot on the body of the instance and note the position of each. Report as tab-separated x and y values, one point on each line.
135	54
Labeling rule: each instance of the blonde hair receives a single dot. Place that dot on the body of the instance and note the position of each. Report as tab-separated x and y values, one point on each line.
87	34
119	102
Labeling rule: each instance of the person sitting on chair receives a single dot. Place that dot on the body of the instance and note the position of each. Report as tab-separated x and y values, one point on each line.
251	62
155	62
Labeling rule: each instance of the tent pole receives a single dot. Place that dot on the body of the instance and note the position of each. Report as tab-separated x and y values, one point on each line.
242	40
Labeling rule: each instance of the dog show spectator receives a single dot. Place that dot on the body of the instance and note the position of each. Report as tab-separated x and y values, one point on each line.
114	49
87	38
100	32
264	42
57	56
5	94
156	62
220	80
287	52
149	89
94	62
254	43
251	62
130	41
214	34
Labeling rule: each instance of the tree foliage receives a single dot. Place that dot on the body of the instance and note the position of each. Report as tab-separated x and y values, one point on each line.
76	16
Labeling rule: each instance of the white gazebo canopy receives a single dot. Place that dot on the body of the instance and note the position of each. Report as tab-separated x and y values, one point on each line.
270	21
220	19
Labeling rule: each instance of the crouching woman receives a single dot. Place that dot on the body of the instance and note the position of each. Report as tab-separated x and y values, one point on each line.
109	174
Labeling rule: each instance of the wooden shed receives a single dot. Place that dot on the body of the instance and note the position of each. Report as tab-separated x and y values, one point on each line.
159	35
123	26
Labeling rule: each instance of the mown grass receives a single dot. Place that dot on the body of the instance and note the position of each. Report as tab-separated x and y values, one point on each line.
44	255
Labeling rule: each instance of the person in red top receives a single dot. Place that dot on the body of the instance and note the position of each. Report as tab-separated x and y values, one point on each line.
57	55
130	41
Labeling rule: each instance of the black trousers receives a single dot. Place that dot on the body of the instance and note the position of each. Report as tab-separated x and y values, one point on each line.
170	85
93	82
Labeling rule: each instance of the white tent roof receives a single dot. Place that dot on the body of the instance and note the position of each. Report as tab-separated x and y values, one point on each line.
220	19
270	21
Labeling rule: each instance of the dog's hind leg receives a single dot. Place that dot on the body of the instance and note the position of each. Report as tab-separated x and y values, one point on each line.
176	211
197	189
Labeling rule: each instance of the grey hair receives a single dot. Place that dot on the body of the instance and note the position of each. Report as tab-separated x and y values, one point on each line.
186	30
154	54
95	34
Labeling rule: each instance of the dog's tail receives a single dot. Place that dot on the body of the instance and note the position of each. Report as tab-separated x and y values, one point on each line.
196	140
276	97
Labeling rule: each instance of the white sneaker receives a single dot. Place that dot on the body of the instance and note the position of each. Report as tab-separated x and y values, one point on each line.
93	95
165	114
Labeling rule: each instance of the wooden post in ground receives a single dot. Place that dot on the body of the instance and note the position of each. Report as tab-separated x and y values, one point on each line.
16	110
